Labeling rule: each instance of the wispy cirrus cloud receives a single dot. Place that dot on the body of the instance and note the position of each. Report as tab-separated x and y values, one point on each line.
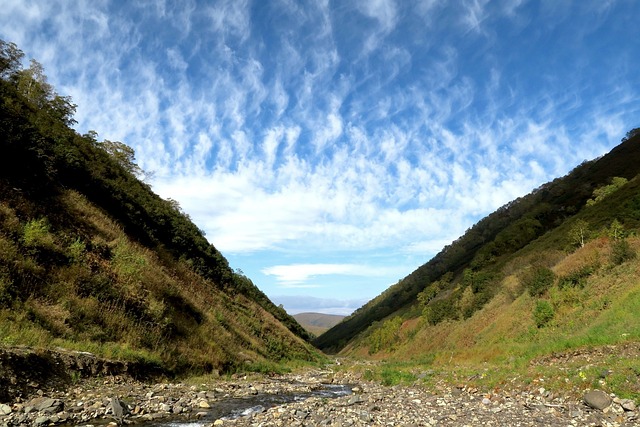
298	133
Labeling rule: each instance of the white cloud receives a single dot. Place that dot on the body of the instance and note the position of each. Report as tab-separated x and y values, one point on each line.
296	275
275	143
384	11
475	15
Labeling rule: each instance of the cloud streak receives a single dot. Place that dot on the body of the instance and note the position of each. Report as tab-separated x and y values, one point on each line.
307	134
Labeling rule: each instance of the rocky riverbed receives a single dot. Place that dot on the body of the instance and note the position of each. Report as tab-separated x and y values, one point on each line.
115	397
117	400
375	405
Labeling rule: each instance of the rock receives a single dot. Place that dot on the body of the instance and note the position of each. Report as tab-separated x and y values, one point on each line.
40	421
597	399
218	422
486	401
204	404
44	404
118	408
5	409
355	399
301	414
628	405
365	417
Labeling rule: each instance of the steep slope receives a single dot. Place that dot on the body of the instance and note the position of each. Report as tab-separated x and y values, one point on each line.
91	258
477	257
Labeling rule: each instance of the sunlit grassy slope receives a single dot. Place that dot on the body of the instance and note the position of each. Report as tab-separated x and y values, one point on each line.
559	275
519	243
91	259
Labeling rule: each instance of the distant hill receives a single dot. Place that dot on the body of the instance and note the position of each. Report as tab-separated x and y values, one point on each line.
317	323
92	259
562	238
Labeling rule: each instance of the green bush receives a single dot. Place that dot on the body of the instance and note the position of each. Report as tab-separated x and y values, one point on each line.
440	310
36	234
543	313
77	250
621	251
384	337
577	278
538	280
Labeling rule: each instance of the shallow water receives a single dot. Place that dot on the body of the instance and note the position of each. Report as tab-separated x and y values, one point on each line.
243	406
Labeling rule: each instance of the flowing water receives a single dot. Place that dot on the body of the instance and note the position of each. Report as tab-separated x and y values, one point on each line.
242	406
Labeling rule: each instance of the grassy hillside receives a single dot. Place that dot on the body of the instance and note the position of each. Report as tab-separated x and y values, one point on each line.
317	323
92	259
466	275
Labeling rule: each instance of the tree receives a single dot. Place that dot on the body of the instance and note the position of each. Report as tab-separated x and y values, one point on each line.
616	231
123	154
578	232
33	86
633	132
606	190
10	59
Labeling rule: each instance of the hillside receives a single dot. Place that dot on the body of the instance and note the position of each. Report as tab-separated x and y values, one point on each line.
92	259
317	323
496	257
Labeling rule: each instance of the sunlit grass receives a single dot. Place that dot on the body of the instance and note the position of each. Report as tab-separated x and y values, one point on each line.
499	346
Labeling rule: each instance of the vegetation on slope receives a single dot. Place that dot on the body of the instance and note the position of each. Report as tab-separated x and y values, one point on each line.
541	306
467	274
91	258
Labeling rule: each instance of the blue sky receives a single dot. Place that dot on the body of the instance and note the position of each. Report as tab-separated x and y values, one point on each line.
329	148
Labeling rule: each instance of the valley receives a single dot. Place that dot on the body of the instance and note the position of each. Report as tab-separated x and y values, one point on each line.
114	307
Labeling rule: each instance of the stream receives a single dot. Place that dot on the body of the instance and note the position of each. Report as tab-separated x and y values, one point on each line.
233	408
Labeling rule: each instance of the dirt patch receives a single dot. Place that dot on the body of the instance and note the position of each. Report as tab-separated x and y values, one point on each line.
590	355
25	371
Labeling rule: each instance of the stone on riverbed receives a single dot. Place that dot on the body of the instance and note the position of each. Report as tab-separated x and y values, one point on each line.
597	399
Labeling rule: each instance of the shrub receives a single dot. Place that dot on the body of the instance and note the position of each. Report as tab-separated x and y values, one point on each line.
385	336
36	234
577	278
440	310
621	251
77	250
538	280
543	313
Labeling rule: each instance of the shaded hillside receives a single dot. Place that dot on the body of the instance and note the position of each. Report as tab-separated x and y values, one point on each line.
475	258
317	323
91	257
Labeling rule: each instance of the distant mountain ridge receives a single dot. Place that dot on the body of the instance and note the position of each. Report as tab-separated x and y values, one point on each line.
318	323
